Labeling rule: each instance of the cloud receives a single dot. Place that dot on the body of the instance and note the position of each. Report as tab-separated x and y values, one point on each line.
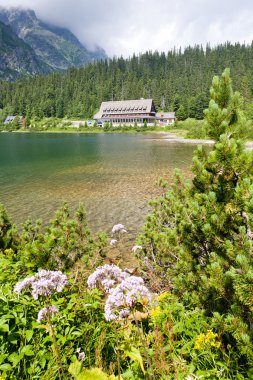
127	26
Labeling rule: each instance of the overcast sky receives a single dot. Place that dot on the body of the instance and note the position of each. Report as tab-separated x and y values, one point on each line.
124	27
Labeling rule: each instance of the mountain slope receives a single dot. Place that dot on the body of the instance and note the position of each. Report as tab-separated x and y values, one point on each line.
56	47
16	57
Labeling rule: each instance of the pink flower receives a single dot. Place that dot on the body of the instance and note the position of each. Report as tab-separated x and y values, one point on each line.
44	283
113	242
46	312
136	247
106	277
81	355
118	228
124	297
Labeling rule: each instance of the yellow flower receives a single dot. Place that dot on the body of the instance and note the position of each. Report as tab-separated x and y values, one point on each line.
154	313
163	296
207	341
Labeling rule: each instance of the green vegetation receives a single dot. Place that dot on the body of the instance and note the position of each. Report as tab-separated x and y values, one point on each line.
190	319
53	124
177	81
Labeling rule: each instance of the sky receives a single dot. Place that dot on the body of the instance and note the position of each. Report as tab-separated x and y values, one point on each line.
124	27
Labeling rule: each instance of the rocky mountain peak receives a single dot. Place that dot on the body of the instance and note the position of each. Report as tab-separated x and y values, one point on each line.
57	48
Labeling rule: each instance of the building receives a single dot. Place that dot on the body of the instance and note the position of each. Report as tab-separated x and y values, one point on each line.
127	112
130	112
165	118
10	119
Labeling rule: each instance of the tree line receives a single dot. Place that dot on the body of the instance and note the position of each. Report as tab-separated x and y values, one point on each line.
177	81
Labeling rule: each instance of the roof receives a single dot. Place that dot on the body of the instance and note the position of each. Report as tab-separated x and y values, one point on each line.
9	119
165	115
122	107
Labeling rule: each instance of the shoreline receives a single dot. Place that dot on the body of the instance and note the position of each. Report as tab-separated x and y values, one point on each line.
168	136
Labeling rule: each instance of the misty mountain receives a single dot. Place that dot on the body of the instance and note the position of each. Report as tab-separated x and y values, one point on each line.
56	48
16	57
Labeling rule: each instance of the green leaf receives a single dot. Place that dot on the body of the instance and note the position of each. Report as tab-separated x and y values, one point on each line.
75	368
5	367
4	327
43	362
95	374
29	334
135	355
27	350
15	358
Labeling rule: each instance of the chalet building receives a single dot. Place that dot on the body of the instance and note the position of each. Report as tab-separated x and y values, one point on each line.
131	112
165	118
127	112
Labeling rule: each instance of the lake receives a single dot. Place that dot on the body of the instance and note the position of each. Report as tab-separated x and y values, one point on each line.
113	174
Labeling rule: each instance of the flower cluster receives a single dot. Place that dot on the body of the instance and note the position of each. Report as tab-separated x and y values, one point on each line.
47	312
156	312
113	242
118	228
44	283
124	291
163	296
207	341
106	276
122	299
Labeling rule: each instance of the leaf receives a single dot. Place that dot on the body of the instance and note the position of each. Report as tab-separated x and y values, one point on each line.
75	368
43	362
27	350
95	374
135	355
5	367
29	334
4	327
15	358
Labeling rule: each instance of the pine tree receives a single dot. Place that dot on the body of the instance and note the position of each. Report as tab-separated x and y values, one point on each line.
200	233
8	232
181	113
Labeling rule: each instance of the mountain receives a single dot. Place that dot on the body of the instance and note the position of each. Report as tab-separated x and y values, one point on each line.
16	57
56	48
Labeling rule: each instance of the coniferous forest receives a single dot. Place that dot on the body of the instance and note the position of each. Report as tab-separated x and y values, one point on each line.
177	81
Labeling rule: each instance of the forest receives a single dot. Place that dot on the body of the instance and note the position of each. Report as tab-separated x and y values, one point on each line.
177	81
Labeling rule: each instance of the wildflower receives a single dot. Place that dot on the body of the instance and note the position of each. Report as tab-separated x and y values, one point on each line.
45	313
118	228
122	299
43	283
136	247
163	296
154	313
106	276
81	355
208	340
113	242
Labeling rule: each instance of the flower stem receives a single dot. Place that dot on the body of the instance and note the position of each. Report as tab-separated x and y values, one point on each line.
143	342
56	349
117	350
